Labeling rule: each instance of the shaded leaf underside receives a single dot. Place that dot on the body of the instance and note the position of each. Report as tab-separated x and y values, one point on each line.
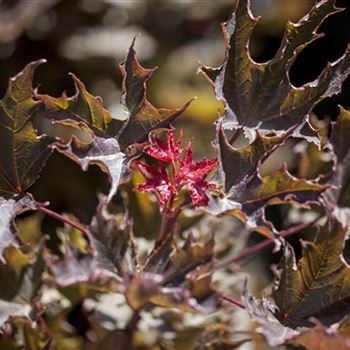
337	198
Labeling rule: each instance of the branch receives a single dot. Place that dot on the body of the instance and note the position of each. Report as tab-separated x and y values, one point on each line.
125	341
167	224
253	250
165	233
132	324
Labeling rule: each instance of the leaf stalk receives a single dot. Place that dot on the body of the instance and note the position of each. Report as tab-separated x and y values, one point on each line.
63	219
253	250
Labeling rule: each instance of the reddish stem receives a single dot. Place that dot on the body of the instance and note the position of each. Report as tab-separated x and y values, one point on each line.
166	229
63	219
232	300
132	324
168	220
250	251
253	250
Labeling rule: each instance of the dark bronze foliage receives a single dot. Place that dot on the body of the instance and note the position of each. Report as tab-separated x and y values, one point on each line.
102	286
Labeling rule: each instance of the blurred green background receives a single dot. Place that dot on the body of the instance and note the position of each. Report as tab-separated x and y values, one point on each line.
90	38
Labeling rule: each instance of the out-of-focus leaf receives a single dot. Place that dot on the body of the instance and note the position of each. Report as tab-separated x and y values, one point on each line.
110	310
322	338
179	278
113	340
111	258
340	136
142	288
75	237
8	211
20	279
187	340
189	257
224	344
208	338
319	286
76	268
142	115
62	336
9	345
313	162
262	311
261	95
113	242
247	193
24	153
337	199
33	337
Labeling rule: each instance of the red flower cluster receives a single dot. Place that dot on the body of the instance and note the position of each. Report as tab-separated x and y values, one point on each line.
166	183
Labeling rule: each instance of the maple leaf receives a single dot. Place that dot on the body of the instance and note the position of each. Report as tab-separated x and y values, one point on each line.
185	172
113	241
157	182
319	285
261	96
82	107
142	115
262	311
24	152
112	138
166	151
179	277
112	255
323	338
247	193
85	112
191	175
337	199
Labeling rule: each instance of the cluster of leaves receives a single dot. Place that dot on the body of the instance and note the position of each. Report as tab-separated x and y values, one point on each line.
105	276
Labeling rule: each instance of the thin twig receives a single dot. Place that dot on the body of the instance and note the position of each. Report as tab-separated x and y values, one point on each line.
165	233
253	250
128	331
132	324
63	219
232	300
167	224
